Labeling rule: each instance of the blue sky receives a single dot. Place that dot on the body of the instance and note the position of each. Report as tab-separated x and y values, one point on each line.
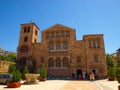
86	16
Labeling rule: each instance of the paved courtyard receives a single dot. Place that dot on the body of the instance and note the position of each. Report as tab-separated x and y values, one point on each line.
68	85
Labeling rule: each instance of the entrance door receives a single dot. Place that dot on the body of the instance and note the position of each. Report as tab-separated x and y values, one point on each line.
94	71
32	66
79	74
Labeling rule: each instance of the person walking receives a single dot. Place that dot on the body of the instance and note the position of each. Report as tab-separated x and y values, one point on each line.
93	76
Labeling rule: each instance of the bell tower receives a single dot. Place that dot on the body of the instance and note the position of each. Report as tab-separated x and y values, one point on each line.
28	36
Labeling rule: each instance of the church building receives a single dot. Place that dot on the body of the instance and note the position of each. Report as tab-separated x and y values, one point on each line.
60	51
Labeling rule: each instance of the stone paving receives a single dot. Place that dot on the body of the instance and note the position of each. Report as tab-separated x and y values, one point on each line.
79	85
68	85
112	84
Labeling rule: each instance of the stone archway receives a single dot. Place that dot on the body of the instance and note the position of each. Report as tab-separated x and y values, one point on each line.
32	64
94	71
79	74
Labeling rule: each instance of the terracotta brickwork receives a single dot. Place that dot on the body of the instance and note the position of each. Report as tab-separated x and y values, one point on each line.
61	53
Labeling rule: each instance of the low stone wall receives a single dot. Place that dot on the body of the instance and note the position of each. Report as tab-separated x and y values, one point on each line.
4	65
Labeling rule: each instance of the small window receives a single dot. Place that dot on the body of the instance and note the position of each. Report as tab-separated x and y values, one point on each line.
98	44
95	58
57	34
36	32
64	45
62	34
94	44
58	62
58	46
25	39
28	29
25	30
91	44
67	34
78	59
47	35
35	40
65	62
50	62
51	46
52	34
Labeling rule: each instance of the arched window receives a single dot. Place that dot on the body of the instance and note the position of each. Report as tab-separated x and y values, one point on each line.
91	43
24	48
98	44
95	58
25	39
28	29
52	34
35	40
58	46
50	62
62	34
65	46
57	34
78	59
57	62
36	32
67	34
51	46
47	35
65	62
25	29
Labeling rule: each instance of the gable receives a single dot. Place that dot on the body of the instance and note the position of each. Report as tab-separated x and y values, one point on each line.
58	27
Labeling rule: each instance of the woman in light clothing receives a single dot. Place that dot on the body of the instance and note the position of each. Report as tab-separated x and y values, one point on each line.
92	76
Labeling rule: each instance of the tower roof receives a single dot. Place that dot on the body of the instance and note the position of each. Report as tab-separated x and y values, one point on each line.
30	23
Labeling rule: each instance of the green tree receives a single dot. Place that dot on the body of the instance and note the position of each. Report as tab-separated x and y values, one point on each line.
16	76
25	71
111	72
10	57
11	69
2	57
118	70
110	60
43	71
111	66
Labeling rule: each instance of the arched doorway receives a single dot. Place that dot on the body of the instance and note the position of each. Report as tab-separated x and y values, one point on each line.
79	74
94	71
32	66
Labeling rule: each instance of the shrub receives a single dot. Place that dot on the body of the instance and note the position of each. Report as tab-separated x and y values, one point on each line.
118	70
111	72
11	69
43	72
16	76
25	71
111	66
